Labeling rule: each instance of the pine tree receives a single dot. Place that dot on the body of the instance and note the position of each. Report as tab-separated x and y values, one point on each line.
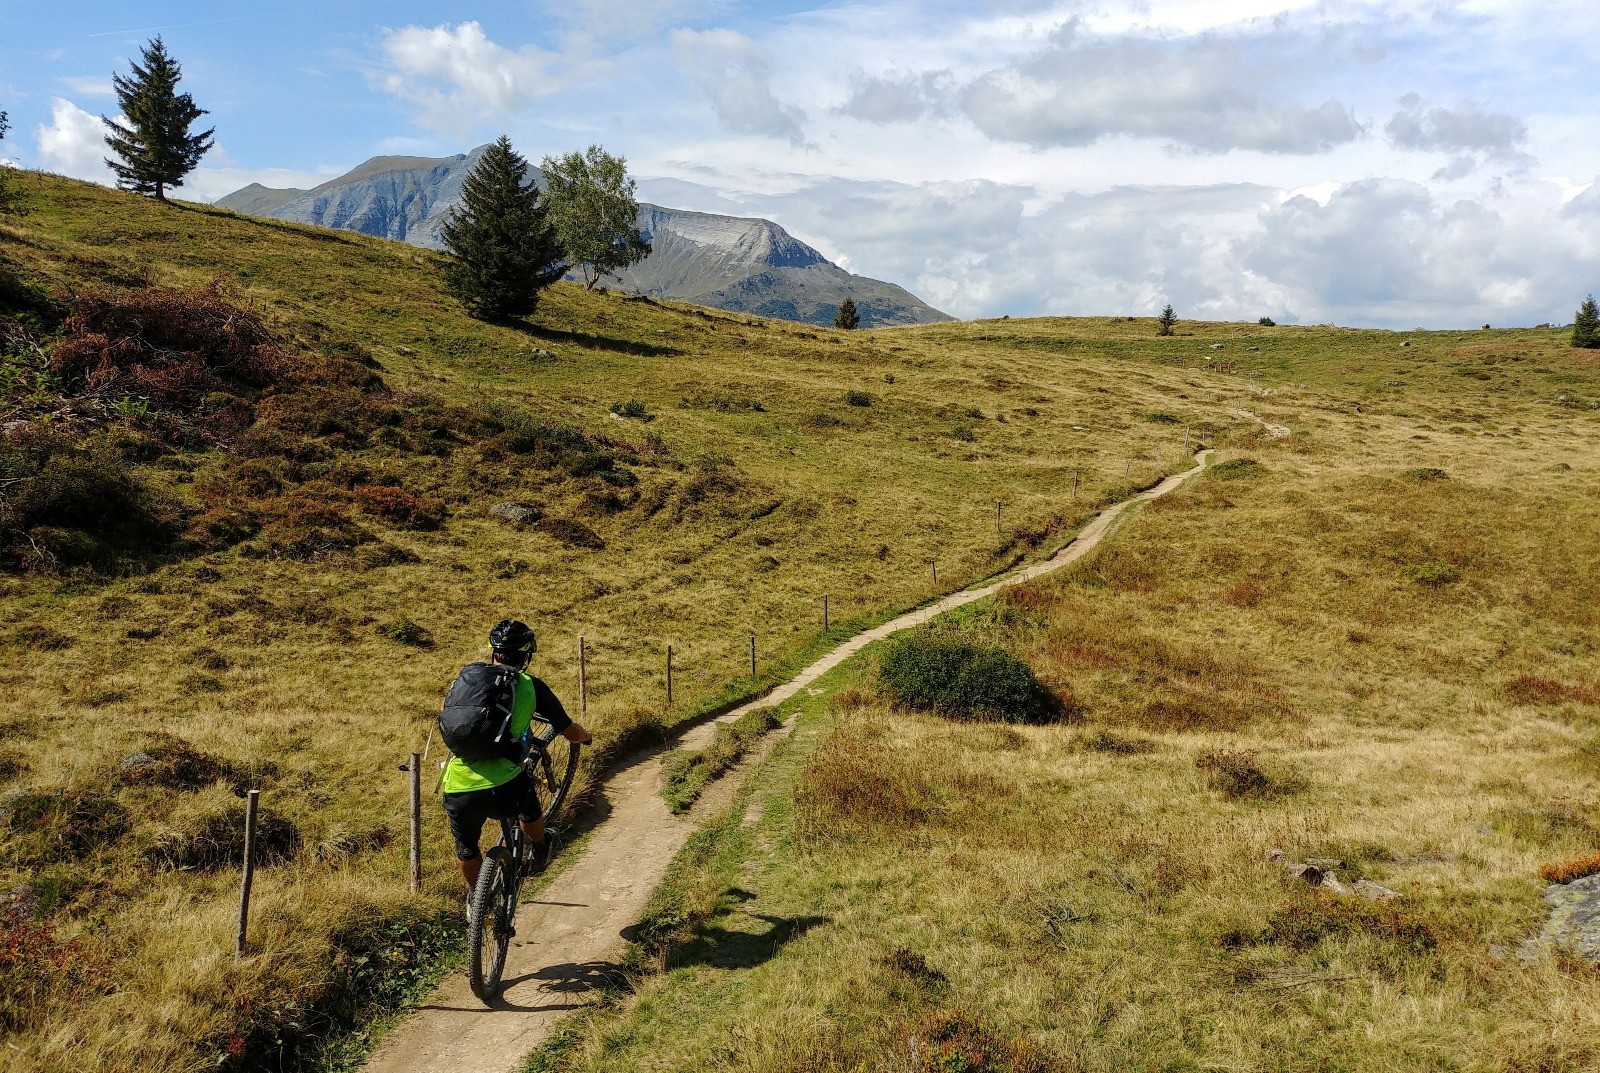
503	247
1586	325
595	213
10	197
1168	318
156	147
847	317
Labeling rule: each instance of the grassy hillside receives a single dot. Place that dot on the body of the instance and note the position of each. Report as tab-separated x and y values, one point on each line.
319	558
1370	640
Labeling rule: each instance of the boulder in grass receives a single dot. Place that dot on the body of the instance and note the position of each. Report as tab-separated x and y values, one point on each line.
1574	921
518	514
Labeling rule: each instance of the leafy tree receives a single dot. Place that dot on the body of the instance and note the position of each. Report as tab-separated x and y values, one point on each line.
1168	319
503	248
156	147
847	317
595	214
10	196
1586	325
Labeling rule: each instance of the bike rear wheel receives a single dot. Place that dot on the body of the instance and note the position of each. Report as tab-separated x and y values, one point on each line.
490	925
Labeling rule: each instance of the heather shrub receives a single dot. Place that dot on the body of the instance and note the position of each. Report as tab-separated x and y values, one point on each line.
75	504
961	680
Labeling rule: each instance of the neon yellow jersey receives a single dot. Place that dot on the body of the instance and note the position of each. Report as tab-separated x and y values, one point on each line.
463	776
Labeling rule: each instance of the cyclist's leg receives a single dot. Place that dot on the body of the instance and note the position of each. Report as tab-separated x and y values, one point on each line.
530	817
467	813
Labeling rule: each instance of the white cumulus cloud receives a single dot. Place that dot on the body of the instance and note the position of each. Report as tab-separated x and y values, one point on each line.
458	77
73	143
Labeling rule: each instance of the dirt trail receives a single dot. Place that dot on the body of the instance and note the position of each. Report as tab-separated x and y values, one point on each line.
569	934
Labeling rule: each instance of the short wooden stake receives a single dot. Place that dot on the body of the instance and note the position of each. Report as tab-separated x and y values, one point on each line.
824	612
583	680
416	822
1126	466
252	803
997	516
1074	484
935	565
752	655
1185	441
669	676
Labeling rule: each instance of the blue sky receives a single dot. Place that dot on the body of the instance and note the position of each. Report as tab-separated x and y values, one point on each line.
1391	164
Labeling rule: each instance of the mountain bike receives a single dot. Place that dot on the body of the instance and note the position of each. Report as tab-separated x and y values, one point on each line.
552	761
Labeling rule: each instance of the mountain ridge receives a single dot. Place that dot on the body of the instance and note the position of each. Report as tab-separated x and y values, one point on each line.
742	264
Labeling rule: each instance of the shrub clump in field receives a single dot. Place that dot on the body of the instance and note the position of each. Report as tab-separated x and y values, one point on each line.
1567	871
180	353
1235	774
214	838
1432	574
400	507
1237	469
634	409
403	631
954	1041
1534	689
1305	924
852	785
75	504
47	825
857	398
1108	741
40	971
572	533
961	680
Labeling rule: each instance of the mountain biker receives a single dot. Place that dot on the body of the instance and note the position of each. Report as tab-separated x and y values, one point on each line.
498	787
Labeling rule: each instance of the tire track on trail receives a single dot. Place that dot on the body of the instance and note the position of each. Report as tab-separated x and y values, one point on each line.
570	935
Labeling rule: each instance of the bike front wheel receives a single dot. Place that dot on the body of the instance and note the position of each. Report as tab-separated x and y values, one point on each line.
553	772
489	926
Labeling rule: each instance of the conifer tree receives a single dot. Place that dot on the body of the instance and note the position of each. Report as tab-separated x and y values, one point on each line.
10	197
503	248
595	213
1168	318
1586	325
847	317
155	146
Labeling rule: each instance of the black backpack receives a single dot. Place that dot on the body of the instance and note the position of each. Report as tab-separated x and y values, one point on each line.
476	721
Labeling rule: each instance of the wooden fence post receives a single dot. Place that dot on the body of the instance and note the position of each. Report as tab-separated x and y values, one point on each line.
1185	441
997	517
252	803
416	822
752	655
935	565
583	680
1126	466
824	612
669	676
1074	484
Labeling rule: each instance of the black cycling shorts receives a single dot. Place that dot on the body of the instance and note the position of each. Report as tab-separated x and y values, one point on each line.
468	811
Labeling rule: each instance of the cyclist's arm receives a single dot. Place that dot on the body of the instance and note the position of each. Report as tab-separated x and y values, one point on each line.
551	711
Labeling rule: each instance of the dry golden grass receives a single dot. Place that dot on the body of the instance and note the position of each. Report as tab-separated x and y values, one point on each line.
760	489
1389	619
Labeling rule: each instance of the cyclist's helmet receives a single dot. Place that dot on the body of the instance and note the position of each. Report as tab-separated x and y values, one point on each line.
512	641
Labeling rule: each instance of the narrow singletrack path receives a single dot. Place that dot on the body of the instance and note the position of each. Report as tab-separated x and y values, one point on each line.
568	937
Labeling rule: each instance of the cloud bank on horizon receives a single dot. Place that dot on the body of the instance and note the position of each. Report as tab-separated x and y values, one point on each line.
1392	164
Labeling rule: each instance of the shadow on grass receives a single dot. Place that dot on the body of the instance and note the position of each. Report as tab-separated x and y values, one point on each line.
736	939
593	342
